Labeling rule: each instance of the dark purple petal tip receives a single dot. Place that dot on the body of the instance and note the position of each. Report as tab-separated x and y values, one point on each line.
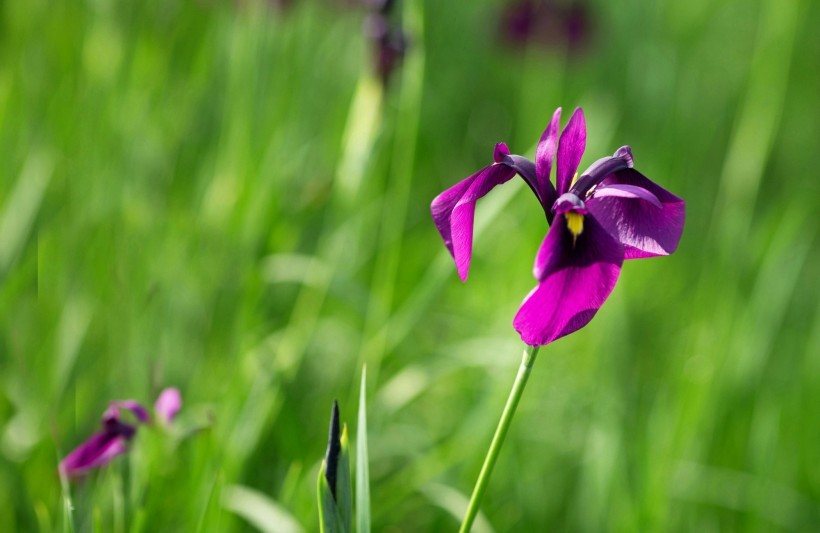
135	407
500	151
625	153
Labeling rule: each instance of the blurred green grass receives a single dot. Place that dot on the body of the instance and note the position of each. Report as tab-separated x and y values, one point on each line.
188	200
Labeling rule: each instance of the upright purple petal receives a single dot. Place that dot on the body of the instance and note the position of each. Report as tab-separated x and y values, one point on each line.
168	404
571	147
97	451
644	229
544	154
454	209
576	278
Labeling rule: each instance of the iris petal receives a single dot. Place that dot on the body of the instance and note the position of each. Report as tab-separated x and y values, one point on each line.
524	168
98	450
454	210
602	168
544	155
168	404
571	147
643	229
576	277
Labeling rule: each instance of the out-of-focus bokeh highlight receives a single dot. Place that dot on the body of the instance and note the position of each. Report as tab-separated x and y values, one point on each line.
232	198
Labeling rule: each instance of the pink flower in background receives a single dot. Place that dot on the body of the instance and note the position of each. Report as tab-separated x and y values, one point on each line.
168	404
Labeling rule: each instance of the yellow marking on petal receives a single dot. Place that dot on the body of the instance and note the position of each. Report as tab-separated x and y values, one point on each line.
575	224
574	179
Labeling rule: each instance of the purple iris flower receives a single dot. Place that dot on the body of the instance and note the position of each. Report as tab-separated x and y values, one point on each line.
610	213
113	440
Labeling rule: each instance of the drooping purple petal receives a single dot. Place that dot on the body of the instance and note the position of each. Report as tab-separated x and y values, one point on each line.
168	404
571	147
643	228
101	447
97	451
576	278
544	155
454	209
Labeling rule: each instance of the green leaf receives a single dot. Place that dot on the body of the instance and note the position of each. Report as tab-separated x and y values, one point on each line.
344	497
330	520
362	464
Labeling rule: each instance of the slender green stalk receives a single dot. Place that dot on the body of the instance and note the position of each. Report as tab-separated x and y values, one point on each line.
498	439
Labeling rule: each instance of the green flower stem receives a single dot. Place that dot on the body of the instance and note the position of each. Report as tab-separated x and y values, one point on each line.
498	439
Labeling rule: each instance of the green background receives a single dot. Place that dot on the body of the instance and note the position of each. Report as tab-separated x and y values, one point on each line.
219	196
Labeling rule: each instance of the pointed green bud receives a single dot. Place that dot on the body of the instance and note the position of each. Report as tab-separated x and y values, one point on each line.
333	449
334	490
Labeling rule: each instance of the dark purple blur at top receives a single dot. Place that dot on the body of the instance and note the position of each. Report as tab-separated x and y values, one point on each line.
550	23
387	38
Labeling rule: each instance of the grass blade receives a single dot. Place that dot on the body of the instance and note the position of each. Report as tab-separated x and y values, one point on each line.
261	511
362	467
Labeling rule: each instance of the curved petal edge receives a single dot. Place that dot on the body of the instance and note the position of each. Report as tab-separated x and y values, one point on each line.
453	212
644	229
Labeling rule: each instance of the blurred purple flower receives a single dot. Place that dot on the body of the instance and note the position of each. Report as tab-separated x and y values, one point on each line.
389	43
611	213
113	440
548	22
